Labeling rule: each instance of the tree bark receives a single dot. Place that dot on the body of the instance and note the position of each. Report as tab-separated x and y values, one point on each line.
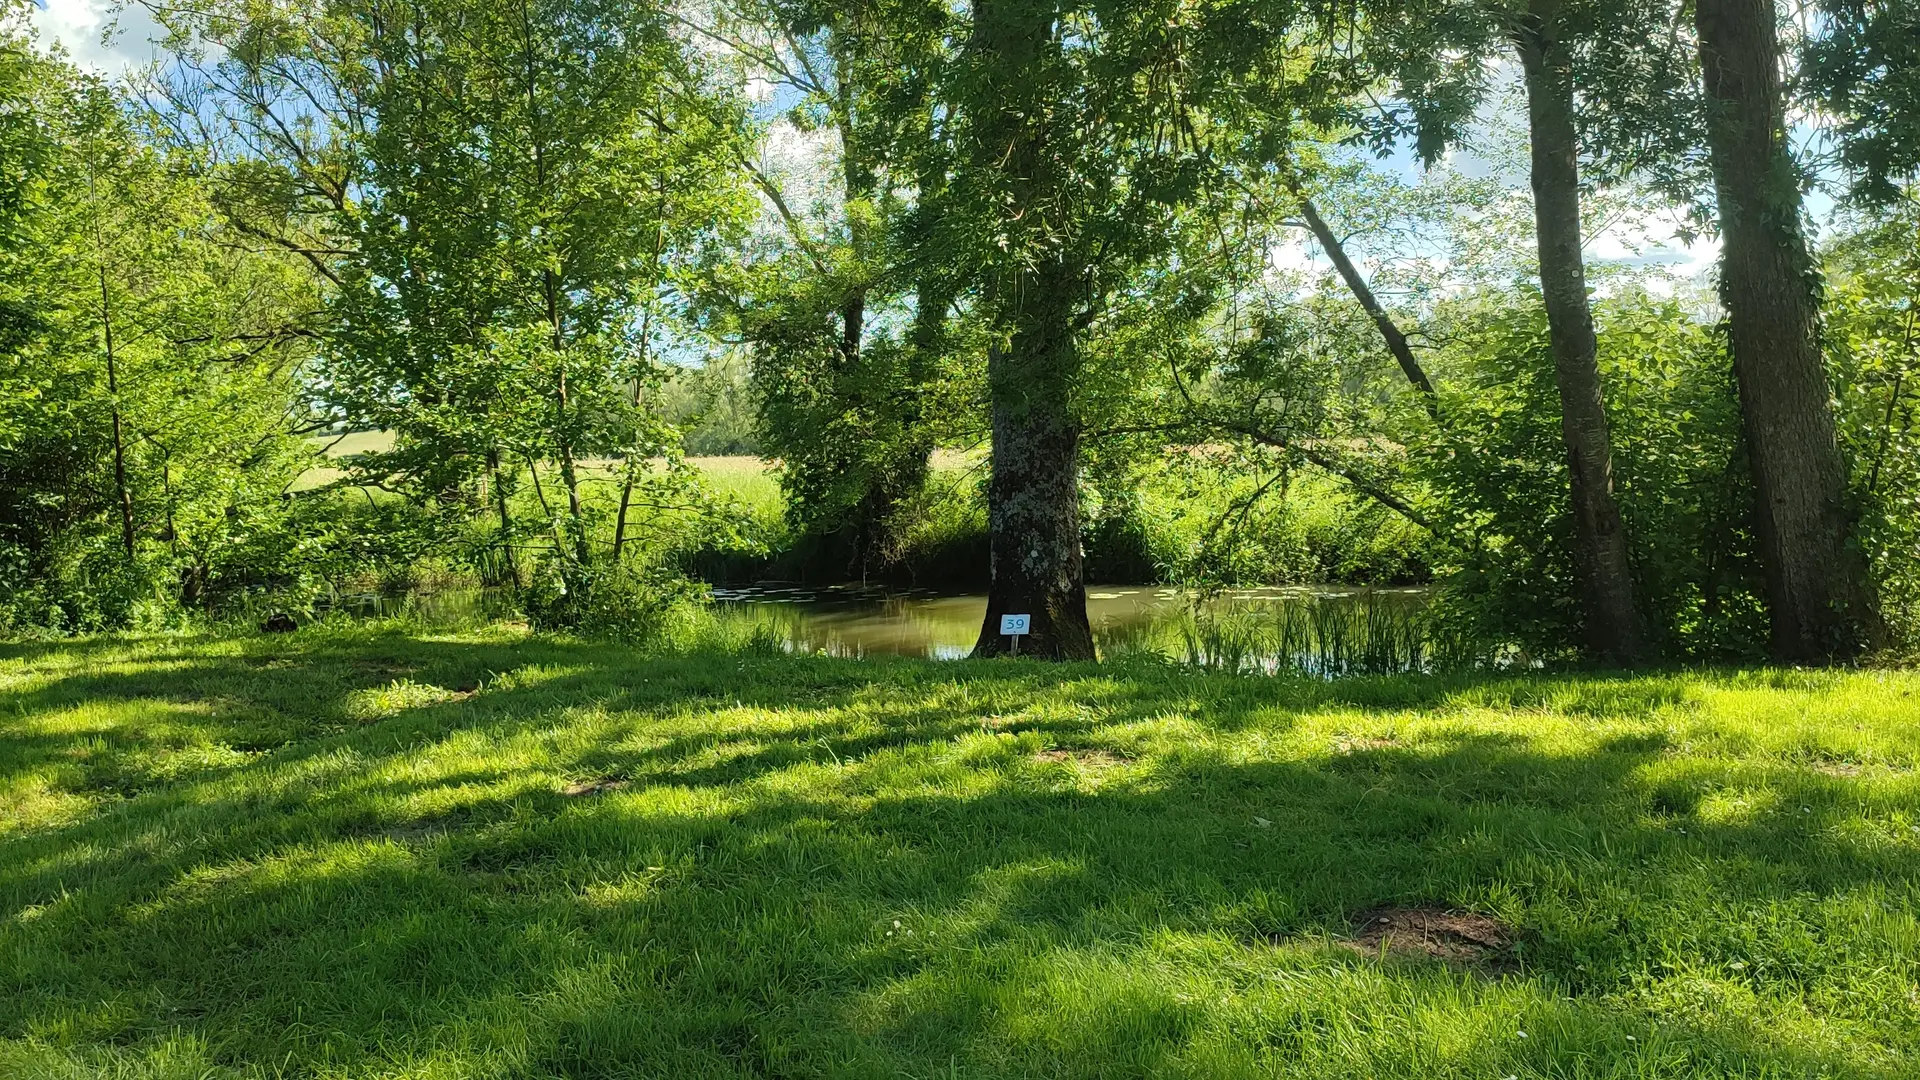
1612	623
640	366
499	493
1033	498
1820	600
123	494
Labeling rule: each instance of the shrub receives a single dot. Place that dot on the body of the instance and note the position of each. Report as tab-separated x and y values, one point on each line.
613	600
1499	476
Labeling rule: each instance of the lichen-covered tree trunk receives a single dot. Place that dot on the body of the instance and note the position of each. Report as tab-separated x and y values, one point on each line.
1033	500
1613	627
1037	295
1820	601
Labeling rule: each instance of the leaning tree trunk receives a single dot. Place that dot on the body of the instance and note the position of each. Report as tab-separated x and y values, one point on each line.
1612	619
1396	341
1033	500
1820	600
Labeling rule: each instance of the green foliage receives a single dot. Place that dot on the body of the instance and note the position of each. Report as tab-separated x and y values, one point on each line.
1862	65
612	600
145	388
855	380
1498	474
550	247
1873	343
502	197
852	432
712	408
1205	518
1635	96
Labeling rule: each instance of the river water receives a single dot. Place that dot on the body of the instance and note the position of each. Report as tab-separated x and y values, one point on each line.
850	621
1328	630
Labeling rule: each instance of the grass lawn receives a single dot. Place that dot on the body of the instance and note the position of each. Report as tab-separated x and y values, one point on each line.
359	853
748	479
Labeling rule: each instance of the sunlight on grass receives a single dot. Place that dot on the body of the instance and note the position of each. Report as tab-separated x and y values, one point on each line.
354	852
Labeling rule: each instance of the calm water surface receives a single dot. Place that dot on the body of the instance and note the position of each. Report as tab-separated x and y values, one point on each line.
1321	629
851	621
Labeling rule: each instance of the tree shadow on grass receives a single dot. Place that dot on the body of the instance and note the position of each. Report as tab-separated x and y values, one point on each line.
873	879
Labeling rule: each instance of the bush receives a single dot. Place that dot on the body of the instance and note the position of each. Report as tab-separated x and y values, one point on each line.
1873	293
613	600
1498	473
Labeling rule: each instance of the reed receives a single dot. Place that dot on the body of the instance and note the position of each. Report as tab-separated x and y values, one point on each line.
1328	636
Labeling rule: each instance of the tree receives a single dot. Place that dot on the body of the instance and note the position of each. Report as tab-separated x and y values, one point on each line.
1581	95
1822	606
1080	131
841	388
1615	627
150	378
501	196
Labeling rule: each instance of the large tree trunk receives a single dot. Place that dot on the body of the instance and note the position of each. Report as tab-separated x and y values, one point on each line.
1612	620
1819	597
1033	500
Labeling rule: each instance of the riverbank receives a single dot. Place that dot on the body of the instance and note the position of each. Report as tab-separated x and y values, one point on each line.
358	852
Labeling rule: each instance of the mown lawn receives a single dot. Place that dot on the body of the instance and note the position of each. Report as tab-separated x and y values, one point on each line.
367	854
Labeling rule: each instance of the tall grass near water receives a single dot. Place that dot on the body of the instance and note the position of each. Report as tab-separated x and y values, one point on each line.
1328	635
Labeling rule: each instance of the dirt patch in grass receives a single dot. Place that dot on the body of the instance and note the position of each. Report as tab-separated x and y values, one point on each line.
1457	937
1092	759
599	786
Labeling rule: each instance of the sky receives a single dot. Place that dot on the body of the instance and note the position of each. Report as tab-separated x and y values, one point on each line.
79	24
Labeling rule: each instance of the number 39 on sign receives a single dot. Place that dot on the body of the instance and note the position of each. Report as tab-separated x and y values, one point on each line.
1015	626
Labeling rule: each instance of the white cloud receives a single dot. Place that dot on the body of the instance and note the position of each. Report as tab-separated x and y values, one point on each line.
1296	254
81	25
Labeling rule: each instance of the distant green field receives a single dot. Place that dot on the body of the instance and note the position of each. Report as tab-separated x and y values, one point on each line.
748	478
361	853
356	442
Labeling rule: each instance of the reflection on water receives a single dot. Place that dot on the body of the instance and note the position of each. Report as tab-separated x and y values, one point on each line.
1327	629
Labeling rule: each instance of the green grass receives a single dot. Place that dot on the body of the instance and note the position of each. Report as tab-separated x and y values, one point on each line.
748	479
351	853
